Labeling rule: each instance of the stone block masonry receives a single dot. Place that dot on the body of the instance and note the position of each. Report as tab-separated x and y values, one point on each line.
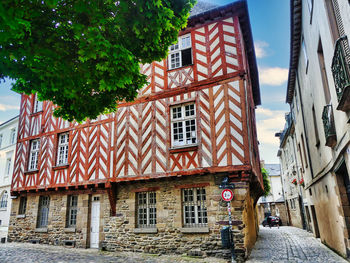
120	232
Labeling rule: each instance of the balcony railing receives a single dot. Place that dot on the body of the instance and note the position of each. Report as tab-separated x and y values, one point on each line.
341	73
329	127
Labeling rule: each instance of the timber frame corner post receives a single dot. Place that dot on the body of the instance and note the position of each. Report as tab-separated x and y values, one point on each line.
112	196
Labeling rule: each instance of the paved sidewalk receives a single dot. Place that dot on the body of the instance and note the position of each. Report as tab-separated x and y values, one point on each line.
291	244
30	253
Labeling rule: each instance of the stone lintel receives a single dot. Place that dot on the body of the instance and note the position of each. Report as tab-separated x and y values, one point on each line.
69	230
146	230
194	230
21	216
41	230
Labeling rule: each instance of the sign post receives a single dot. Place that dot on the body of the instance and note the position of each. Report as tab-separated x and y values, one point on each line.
227	195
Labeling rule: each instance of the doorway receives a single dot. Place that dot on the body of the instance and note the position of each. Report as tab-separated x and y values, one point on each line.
95	222
314	218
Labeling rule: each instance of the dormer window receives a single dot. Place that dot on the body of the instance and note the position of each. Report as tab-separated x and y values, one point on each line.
38	105
180	54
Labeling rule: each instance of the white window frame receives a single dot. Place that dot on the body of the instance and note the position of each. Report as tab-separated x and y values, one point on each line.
8	167
38	105
34	155
146	209
13	136
62	149
175	121
3	200
194	208
184	42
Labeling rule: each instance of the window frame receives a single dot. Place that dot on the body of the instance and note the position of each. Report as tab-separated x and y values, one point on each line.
177	48
37	104
65	151
183	120
150	208
13	136
22	205
8	166
43	211
33	153
72	211
4	200
199	208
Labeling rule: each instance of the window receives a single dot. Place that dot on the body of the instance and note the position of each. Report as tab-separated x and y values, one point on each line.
183	125
146	209
38	105
43	213
180	54
324	78
301	157
8	167
3	200
0	140
72	210
62	150
317	137
13	136
305	54
194	207
34	155
22	205
332	20
304	151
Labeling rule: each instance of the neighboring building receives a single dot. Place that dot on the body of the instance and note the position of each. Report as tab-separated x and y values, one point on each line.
147	177
273	204
318	92
8	139
292	175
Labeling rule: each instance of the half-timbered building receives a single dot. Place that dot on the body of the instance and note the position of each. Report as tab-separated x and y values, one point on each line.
147	177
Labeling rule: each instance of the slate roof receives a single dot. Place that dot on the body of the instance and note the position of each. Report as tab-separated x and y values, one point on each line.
273	169
201	7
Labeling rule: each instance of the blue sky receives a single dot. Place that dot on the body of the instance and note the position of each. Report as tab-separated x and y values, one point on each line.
270	21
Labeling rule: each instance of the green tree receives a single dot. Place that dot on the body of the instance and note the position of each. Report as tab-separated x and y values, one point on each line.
85	55
266	181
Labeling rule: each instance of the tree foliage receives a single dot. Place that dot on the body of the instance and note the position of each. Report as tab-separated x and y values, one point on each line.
84	55
266	181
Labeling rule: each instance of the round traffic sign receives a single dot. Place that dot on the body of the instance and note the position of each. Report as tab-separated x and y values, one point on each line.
227	195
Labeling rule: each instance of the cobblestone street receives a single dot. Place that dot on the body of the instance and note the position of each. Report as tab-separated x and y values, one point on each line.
290	244
30	253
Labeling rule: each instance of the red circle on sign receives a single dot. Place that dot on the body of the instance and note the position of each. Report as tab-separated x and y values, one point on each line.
227	195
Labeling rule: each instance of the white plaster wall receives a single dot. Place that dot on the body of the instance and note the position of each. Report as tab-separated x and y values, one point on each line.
7	150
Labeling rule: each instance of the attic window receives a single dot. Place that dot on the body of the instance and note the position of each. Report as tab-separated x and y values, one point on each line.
180	54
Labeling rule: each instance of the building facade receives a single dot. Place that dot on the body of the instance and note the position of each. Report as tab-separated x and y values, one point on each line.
318	92
8	138
147	177
293	175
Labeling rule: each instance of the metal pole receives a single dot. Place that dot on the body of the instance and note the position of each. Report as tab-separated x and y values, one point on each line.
230	224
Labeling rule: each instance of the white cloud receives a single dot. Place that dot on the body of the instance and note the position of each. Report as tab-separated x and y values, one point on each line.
260	50
268	123
5	107
273	76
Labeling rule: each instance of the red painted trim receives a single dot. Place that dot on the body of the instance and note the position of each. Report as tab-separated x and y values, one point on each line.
184	149
55	168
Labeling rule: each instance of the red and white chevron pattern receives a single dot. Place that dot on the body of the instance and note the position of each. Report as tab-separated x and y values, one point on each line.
215	52
200	53
120	143
46	163
204	106
161	136
230	45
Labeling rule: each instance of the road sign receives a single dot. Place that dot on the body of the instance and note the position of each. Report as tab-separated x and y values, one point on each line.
227	195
